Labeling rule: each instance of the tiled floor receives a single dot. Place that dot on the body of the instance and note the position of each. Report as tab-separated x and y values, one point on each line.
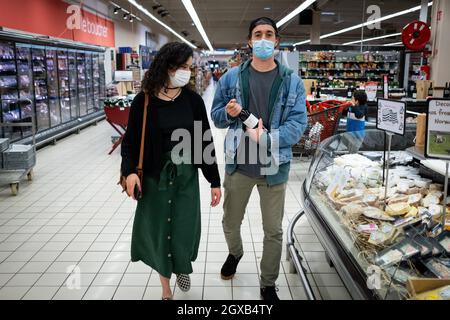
72	220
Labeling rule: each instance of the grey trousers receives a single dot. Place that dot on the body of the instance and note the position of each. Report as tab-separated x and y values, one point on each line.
238	189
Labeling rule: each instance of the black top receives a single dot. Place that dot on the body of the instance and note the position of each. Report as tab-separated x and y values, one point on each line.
162	118
172	115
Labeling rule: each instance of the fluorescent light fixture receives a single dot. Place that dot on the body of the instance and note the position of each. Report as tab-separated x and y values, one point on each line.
190	9
301	42
390	16
267	8
328	13
393	44
291	15
148	14
371	39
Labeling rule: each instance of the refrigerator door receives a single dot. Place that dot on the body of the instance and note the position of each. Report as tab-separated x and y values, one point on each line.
10	111
89	83
101	68
82	89
96	75
64	89
73	85
53	89
25	84
40	89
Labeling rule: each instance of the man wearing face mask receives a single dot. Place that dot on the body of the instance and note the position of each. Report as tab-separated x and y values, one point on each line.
276	96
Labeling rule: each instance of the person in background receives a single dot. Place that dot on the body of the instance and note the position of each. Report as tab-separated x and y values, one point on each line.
357	113
167	223
276	95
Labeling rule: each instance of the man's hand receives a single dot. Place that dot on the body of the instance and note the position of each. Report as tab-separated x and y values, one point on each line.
255	134
233	108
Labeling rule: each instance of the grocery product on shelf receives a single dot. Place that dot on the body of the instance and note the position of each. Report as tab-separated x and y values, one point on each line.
341	69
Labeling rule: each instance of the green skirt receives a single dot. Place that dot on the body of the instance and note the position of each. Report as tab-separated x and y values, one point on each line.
167	223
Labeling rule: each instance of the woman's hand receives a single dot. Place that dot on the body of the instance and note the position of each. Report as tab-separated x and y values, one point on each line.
216	194
132	181
233	108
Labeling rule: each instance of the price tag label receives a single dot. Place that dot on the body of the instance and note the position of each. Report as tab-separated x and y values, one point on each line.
438	129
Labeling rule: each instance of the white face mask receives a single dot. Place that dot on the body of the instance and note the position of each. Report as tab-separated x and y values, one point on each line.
181	78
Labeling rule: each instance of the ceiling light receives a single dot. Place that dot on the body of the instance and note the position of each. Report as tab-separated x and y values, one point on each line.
125	16
390	16
370	39
328	13
190	9
393	44
131	18
267	8
116	10
301	42
294	13
148	14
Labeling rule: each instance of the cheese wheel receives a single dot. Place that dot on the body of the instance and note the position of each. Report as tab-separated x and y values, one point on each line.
398	209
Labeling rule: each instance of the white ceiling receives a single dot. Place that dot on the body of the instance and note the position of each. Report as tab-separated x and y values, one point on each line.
226	22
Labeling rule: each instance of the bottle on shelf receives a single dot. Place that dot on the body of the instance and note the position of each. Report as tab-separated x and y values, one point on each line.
413	92
447	90
313	89
349	92
248	119
430	90
318	91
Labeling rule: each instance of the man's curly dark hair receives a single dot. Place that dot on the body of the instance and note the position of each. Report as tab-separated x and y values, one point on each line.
171	56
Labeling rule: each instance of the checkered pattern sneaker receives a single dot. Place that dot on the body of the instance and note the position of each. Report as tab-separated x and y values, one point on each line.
184	282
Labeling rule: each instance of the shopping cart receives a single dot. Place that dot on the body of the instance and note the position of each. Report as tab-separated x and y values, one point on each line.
117	117
323	121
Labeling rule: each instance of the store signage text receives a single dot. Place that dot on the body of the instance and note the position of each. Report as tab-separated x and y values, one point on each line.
77	21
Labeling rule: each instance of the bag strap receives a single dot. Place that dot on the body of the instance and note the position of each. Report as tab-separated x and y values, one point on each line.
144	124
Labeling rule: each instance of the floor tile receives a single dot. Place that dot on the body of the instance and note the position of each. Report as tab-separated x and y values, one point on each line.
99	293
107	279
65	293
217	293
129	293
246	280
250	293
13	293
23	280
195	293
135	279
334	293
52	280
41	293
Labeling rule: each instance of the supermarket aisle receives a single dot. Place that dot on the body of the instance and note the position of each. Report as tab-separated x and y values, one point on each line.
73	214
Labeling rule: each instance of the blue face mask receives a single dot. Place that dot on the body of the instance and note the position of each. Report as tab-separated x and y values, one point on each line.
263	49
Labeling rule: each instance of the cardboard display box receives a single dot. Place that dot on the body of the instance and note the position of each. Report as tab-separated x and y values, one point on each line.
416	286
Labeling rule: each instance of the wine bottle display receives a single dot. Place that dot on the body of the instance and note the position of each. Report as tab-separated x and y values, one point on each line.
447	90
249	119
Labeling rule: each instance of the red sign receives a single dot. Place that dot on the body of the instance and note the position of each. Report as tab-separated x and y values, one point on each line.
57	18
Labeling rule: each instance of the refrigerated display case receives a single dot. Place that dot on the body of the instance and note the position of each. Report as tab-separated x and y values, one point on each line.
89	83
8	89
82	88
64	89
53	89
96	76
73	84
38	57
102	79
57	84
375	247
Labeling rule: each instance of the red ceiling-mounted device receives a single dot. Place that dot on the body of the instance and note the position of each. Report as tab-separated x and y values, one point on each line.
416	35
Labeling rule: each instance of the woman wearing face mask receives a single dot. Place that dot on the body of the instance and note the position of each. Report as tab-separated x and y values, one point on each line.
166	230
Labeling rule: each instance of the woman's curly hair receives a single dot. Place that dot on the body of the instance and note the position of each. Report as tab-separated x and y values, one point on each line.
171	56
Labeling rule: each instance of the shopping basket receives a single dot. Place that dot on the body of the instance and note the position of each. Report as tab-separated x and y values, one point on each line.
323	121
117	117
